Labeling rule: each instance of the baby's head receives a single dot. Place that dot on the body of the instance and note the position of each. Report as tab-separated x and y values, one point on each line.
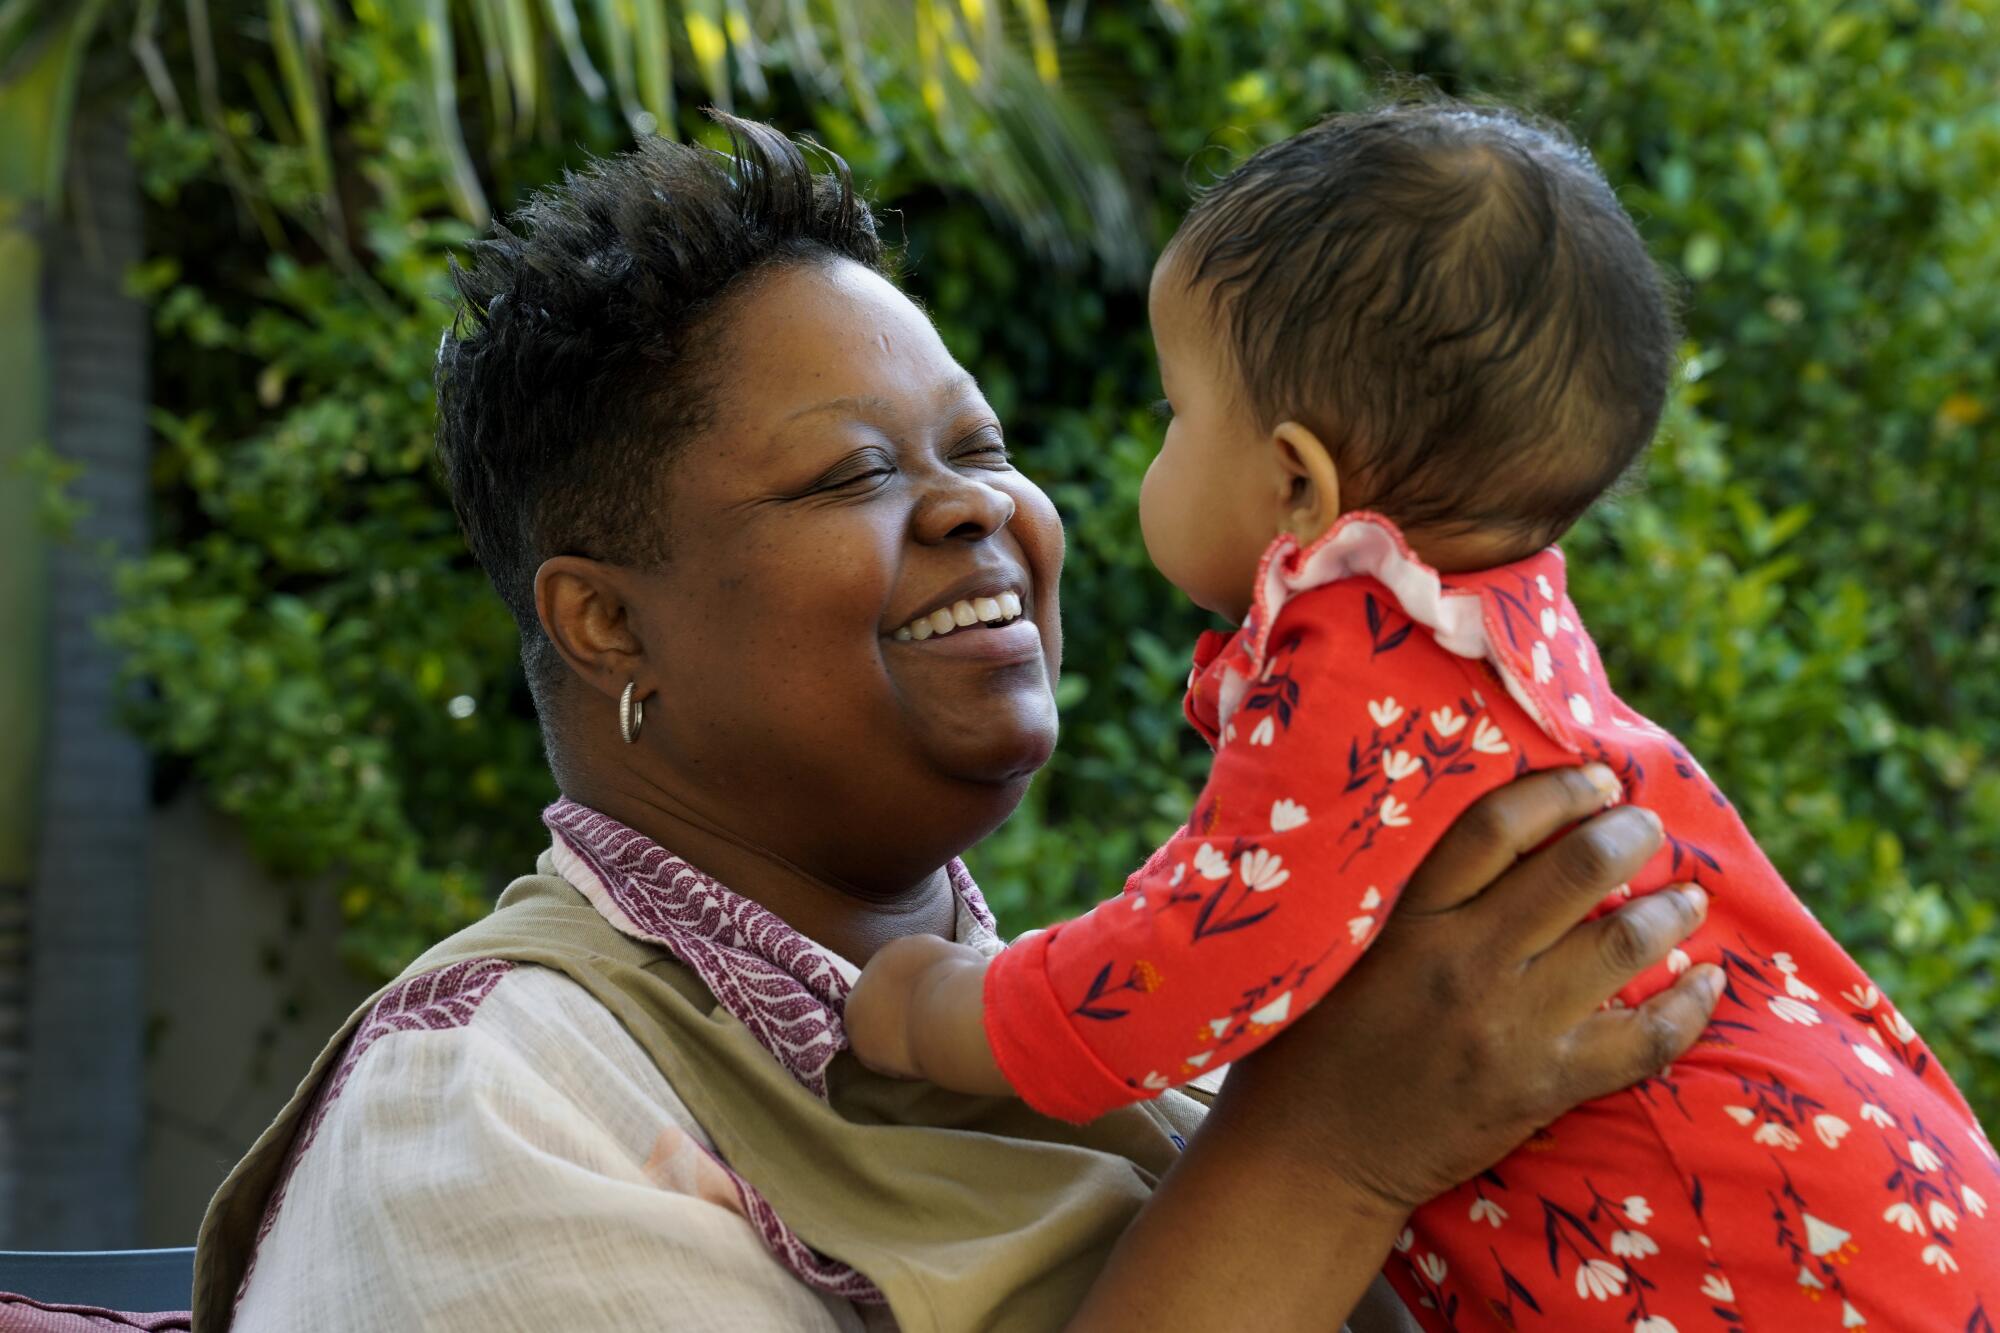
1435	311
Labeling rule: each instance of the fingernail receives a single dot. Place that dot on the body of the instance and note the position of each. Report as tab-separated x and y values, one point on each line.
1651	818
1711	984
1697	899
1604	780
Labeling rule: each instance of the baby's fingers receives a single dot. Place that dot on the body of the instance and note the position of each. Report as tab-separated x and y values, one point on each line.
1619	1047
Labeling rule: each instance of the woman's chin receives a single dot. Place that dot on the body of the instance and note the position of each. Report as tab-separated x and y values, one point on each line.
1003	749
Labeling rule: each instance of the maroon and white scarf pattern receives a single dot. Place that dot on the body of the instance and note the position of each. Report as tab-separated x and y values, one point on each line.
788	991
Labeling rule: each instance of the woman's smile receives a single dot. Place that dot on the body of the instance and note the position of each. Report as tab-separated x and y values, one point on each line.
1014	640
982	602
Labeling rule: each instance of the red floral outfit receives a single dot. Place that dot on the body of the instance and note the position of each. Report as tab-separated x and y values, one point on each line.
1807	1166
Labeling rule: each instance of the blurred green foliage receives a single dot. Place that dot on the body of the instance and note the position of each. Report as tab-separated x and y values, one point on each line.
1803	585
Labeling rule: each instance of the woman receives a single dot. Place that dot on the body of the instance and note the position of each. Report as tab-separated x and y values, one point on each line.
714	461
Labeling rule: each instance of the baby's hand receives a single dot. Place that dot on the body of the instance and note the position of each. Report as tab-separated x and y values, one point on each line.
916	1013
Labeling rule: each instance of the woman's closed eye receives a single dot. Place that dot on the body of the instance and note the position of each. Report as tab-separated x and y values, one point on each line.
983	448
855	474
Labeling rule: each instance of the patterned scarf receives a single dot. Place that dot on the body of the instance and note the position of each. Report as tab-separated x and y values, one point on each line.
788	991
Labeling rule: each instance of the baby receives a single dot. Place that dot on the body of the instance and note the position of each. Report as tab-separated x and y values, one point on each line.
1404	351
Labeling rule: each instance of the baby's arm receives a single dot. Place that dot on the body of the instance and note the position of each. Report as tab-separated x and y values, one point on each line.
918	1012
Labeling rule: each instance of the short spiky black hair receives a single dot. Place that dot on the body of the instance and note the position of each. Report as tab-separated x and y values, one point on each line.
574	366
1453	297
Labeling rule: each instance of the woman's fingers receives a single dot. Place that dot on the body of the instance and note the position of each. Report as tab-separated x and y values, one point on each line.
1501	827
1619	1047
1547	894
1589	965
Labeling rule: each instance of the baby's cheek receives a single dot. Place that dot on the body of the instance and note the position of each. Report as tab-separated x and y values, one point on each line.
1153	525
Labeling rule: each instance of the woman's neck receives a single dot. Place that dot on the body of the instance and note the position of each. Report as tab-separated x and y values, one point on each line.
847	920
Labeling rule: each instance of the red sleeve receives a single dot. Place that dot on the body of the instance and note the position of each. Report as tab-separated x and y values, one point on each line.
1356	747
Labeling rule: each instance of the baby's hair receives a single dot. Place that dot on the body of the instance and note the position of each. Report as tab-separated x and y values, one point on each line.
1453	298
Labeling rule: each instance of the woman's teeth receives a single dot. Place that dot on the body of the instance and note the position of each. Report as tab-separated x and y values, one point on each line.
987	610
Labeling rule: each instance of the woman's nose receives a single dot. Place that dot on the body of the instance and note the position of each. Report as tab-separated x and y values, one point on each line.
961	508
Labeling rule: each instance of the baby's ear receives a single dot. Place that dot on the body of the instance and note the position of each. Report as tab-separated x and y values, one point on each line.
1308	482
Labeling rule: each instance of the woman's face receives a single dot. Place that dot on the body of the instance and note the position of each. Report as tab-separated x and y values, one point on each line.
852	495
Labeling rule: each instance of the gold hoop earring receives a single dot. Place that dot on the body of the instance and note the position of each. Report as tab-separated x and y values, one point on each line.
631	713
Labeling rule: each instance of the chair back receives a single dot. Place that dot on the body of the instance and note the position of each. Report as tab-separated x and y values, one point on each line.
108	1279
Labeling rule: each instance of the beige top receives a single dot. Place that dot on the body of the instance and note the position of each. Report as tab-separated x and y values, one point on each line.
495	1145
530	1169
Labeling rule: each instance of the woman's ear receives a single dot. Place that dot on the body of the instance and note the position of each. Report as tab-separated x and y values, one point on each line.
1308	482
584	612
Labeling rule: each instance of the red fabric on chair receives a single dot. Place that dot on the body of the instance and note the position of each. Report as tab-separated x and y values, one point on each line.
19	1314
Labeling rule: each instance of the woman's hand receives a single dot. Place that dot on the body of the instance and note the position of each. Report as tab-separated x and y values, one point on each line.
1478	1017
1474	1020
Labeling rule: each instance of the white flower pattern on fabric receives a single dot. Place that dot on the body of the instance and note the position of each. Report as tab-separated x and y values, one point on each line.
1905	1217
1599	1280
1262	870
1545	670
1823	1237
1580	709
1446	722
1778	1135
1287	815
1793	1011
1210	864
1400	764
1633	1245
1274	1013
1872	1060
1394	813
1359	926
1487	739
1385	711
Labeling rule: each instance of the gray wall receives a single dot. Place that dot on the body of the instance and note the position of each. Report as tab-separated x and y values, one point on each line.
244	985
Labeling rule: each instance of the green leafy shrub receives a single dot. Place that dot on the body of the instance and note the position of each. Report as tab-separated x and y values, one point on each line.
1802	586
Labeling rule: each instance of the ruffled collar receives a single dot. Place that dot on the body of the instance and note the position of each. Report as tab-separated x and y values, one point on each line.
1517	617
787	990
